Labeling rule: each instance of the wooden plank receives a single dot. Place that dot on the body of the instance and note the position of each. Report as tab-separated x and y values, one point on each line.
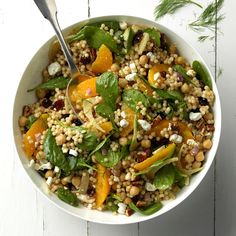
226	161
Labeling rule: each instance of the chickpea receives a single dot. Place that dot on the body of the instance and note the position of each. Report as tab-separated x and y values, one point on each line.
189	158
185	88
66	180
76	181
49	173
146	143
125	164
143	60
208	116
60	139
123	141
172	49
115	67
22	121
122	195
134	190
200	156
180	60
127	200
123	82
196	165
41	93
207	144
122	177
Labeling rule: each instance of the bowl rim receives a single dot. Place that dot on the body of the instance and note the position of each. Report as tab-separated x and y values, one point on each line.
180	199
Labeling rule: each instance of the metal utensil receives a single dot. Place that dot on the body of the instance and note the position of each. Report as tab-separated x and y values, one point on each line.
49	11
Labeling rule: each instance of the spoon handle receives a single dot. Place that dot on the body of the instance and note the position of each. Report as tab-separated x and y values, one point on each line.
49	11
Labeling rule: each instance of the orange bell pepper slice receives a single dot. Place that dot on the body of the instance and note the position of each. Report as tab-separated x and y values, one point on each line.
33	134
156	68
184	130
102	185
103	60
158	155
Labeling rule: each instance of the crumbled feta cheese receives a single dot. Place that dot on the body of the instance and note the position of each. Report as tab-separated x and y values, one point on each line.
128	176
194	116
121	208
116	179
56	169
150	187
46	166
53	68
123	25
191	73
156	76
122	114
73	152
85	198
49	181
176	138
191	142
144	124
31	163
149	54
124	123
133	67
130	77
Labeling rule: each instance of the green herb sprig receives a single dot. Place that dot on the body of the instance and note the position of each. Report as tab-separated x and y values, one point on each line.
171	6
208	18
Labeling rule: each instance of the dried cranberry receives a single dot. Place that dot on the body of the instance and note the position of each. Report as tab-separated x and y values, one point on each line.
58	105
77	122
138	36
85	60
163	141
141	156
161	114
91	192
163	74
195	110
65	116
203	101
46	102
164	44
93	54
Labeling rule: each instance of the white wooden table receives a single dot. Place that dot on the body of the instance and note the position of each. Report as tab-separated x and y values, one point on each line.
210	210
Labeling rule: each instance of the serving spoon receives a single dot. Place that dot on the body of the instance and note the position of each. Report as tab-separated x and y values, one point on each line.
49	11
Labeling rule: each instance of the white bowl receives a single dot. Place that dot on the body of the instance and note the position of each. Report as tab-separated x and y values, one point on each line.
32	76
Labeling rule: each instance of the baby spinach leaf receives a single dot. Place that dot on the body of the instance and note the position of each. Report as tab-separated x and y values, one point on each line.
131	97
77	163
31	120
109	160
57	82
107	87
95	38
67	196
202	74
54	153
182	71
165	177
155	35
149	210
100	145
89	141
105	111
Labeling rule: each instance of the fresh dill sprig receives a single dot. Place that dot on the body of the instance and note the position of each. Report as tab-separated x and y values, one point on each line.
203	38
170	7
209	17
219	72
